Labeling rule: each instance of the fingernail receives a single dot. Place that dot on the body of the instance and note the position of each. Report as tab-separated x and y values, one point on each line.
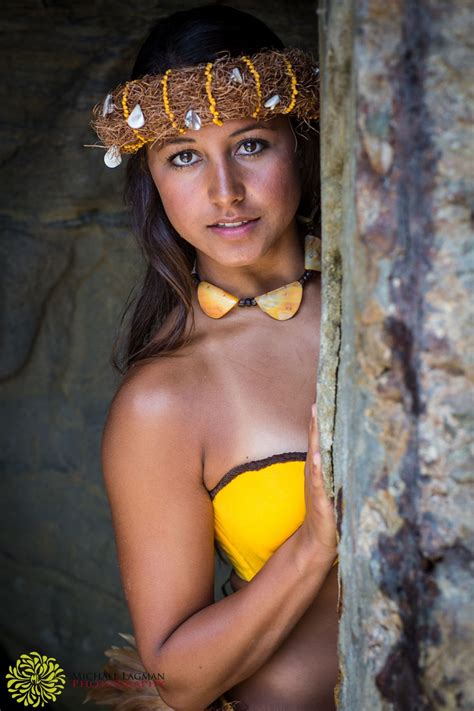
317	459
313	409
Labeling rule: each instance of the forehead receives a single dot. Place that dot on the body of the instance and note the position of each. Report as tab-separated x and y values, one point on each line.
230	129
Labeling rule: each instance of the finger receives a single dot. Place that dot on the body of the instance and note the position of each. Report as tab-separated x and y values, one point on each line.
315	430
316	427
317	479
311	428
317	461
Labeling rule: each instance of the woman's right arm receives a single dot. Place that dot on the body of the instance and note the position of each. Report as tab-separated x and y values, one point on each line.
163	521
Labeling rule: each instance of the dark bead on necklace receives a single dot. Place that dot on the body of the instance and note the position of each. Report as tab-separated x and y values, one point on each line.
247	302
307	275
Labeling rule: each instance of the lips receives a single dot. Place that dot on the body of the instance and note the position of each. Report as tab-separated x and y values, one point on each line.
231	221
234	228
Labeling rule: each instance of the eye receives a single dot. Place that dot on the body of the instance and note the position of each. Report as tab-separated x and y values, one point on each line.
250	144
182	159
248	147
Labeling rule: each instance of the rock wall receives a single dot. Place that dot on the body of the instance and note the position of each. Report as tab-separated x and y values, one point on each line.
397	153
68	264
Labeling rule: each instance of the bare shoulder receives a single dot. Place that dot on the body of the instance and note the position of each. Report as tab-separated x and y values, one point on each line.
157	397
162	382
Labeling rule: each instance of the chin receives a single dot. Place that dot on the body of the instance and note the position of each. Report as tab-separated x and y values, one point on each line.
242	256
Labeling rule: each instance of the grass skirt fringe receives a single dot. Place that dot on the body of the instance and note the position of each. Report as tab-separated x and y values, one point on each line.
121	695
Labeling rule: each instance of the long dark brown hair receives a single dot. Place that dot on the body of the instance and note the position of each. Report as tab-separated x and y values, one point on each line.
165	294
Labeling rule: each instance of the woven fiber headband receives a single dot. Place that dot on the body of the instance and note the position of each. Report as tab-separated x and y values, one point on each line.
156	107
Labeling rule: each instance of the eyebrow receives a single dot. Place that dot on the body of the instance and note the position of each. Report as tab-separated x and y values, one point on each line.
251	127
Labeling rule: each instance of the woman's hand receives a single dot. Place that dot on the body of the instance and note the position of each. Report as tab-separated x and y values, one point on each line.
319	525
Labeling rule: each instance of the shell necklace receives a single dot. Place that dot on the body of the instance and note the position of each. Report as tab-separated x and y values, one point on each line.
281	304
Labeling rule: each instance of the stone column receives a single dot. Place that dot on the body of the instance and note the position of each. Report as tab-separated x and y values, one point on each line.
396	367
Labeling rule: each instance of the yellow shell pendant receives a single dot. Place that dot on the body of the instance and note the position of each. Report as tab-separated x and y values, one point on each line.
282	303
214	301
312	252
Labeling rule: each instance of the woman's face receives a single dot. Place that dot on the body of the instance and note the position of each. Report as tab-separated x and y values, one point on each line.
244	170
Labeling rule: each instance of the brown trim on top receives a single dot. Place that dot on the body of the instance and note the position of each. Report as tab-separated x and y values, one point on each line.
255	465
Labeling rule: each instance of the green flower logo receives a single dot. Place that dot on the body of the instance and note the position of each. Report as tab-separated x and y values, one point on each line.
35	679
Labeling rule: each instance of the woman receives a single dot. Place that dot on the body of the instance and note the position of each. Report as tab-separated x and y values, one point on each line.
207	437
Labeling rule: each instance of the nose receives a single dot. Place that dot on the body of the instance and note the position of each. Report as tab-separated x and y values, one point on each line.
225	186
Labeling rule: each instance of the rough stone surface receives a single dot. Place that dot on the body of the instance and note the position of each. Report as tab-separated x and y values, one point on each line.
396	160
68	264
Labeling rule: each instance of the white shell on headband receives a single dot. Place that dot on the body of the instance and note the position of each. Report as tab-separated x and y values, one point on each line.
112	157
272	102
192	120
236	76
136	118
108	105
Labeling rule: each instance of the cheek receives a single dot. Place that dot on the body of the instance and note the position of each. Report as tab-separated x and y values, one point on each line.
174	194
280	184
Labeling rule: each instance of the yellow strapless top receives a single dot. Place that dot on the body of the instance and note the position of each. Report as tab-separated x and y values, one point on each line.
257	506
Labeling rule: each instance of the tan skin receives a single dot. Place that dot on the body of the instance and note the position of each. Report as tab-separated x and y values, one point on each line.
242	390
